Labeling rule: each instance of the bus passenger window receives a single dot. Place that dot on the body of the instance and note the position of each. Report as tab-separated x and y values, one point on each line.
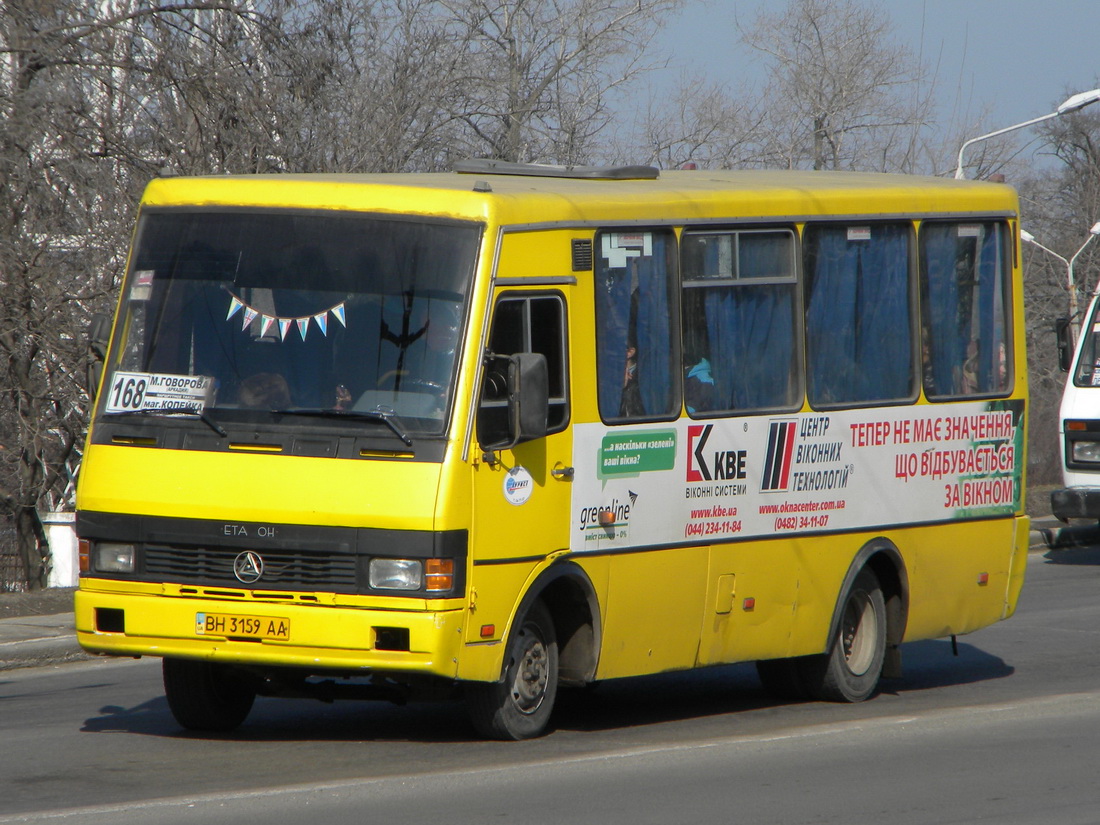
526	323
859	314
964	276
738	321
636	350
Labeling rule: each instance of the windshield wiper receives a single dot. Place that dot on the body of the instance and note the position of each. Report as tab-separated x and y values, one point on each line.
379	416
201	415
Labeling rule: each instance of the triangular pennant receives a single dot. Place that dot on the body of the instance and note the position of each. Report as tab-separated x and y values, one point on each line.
338	311
284	325
303	326
249	316
322	322
234	307
267	322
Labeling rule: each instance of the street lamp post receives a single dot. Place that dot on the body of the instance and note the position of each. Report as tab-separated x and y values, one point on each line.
1071	282
1071	104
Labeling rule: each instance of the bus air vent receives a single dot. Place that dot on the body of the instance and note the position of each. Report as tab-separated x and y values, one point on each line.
582	255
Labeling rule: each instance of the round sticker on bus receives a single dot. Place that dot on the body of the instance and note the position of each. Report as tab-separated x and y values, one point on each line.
518	485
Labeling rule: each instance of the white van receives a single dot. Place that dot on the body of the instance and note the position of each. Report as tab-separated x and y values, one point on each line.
1080	417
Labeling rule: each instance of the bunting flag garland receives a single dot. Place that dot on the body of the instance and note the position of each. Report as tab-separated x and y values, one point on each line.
302	322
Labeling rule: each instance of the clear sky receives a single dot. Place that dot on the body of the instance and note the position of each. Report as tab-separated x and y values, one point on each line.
1011	60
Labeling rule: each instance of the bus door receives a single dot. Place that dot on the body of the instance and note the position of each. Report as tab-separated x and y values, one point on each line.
521	495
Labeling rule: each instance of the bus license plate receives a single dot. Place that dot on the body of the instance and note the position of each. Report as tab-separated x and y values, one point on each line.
247	627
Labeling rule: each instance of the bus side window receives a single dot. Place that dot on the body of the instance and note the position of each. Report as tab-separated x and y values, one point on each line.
526	323
637	352
739	321
964	276
859	314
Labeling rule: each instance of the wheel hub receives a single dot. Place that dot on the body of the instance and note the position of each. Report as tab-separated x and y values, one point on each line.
529	687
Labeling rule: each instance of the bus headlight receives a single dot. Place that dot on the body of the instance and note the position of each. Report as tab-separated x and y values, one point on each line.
1086	451
396	574
113	557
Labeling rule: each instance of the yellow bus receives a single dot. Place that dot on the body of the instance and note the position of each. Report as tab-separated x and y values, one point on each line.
516	427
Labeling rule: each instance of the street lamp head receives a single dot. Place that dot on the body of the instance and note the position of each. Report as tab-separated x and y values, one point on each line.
1071	104
1026	236
1079	101
1095	228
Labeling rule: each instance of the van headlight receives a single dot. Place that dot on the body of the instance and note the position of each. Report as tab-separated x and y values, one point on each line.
1087	452
396	574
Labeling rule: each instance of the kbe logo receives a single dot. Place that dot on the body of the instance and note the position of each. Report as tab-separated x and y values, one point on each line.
722	464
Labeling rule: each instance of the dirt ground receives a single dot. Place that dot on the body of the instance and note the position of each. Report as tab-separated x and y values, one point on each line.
39	603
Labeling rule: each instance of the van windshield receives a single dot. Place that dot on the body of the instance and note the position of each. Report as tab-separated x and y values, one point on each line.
252	312
1087	373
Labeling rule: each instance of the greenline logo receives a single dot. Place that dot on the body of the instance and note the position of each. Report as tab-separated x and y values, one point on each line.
632	453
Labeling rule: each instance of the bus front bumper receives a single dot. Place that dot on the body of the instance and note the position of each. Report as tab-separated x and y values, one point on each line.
261	633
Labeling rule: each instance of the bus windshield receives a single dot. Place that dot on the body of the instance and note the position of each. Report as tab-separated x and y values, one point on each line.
252	312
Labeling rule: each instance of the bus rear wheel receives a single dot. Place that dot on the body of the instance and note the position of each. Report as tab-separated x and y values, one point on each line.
206	696
519	707
851	669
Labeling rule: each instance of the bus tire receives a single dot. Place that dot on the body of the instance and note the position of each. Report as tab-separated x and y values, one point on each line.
850	670
206	696
519	706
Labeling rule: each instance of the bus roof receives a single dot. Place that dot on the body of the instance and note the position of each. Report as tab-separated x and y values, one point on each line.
673	196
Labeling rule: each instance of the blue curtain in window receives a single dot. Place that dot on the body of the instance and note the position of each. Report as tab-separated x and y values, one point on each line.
948	333
964	309
632	309
990	313
750	330
654	328
858	340
612	322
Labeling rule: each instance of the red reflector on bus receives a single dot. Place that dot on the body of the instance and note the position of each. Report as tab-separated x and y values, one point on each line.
983	579
1077	426
748	604
488	631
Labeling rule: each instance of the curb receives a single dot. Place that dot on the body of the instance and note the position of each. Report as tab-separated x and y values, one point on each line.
35	641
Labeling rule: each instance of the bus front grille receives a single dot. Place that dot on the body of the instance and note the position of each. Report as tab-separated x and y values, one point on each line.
282	569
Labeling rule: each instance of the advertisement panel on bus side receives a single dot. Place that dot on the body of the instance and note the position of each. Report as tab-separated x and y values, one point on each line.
728	479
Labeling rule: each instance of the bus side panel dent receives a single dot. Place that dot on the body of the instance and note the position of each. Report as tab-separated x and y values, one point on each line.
1018	568
959	575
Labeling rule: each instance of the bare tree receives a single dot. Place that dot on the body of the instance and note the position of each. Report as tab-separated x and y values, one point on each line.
542	71
700	122
71	162
840	93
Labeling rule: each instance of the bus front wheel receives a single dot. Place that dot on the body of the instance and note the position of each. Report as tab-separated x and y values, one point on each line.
519	707
206	696
850	670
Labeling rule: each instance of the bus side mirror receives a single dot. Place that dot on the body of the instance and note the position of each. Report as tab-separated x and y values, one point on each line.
519	387
1063	331
99	333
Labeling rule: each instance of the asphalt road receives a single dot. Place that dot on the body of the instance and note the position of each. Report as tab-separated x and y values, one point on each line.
1008	731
